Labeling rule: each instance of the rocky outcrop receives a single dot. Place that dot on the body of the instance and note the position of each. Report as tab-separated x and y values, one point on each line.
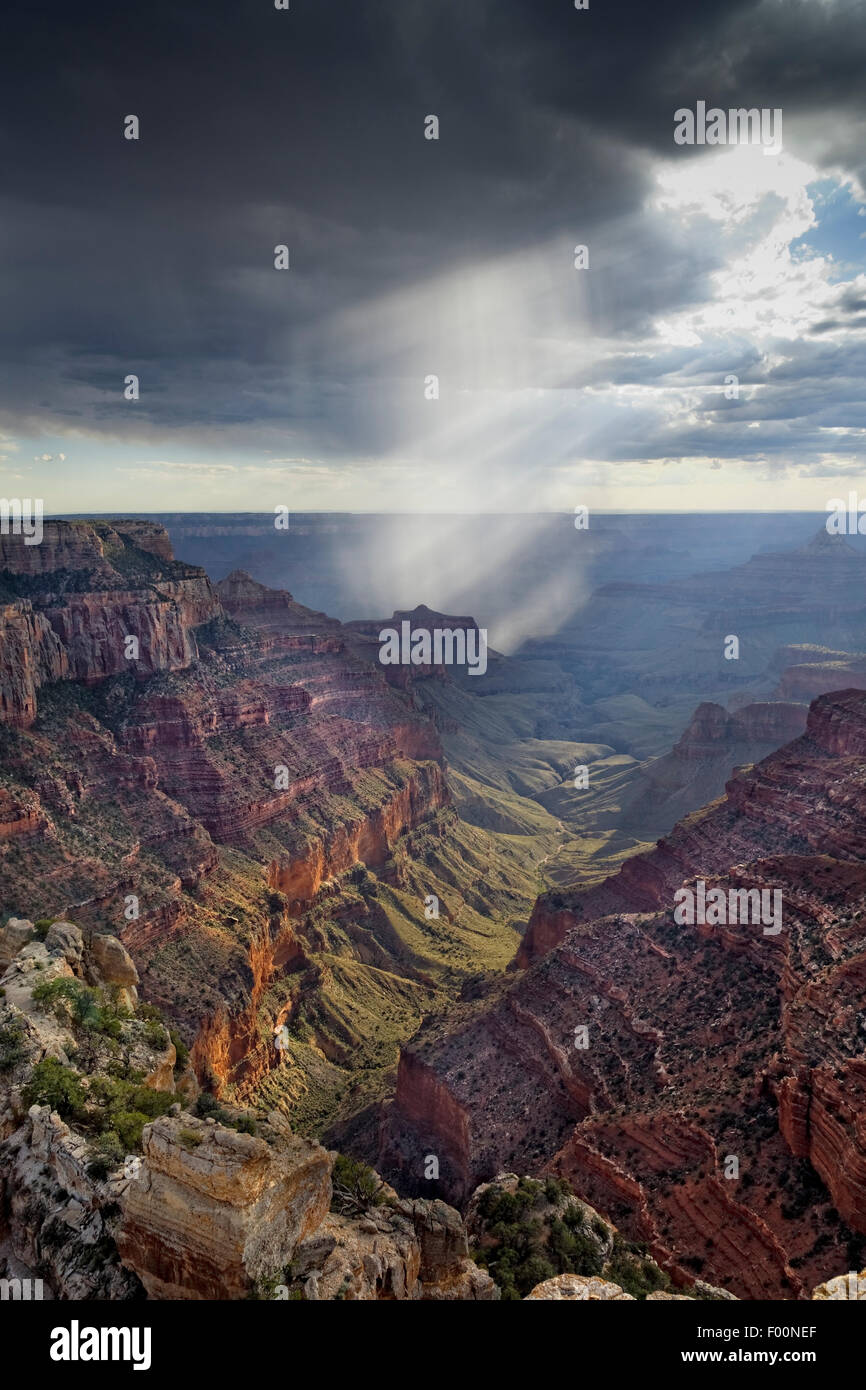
446	1272
65	545
58	1212
376	1257
579	1288
96	600
213	1211
32	655
95	632
711	726
56	1218
111	964
275	612
843	1286
368	841
149	536
16	933
21	815
395	1249
423	619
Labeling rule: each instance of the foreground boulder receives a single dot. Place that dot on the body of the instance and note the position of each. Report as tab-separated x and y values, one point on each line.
377	1257
843	1286
111	964
580	1288
16	933
393	1249
65	939
213	1212
447	1273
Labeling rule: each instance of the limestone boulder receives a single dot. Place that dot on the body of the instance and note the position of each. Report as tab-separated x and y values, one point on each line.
111	964
579	1287
360	1260
64	939
213	1212
16	933
447	1273
844	1286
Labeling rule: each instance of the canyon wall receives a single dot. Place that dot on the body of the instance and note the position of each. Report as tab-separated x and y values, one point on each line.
702	1085
199	789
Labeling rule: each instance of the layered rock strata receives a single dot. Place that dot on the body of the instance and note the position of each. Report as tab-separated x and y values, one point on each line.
703	1084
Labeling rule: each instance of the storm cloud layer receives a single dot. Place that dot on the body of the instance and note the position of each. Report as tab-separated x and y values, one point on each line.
412	257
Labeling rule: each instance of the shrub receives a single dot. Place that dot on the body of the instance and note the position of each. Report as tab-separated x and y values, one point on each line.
53	1084
56	993
97	1012
555	1188
107	1153
149	1012
208	1107
356	1187
156	1036
636	1274
189	1138
180	1048
128	1125
531	1242
12	1047
125	1106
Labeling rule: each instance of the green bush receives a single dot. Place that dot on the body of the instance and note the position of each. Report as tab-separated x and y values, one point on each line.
356	1187
180	1048
107	1153
635	1274
95	1011
556	1188
156	1036
62	990
12	1047
531	1240
128	1125
149	1012
53	1084
190	1138
208	1107
125	1106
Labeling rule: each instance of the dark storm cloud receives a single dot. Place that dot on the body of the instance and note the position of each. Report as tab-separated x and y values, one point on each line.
305	127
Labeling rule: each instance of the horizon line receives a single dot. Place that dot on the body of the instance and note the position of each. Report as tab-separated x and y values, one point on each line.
598	511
